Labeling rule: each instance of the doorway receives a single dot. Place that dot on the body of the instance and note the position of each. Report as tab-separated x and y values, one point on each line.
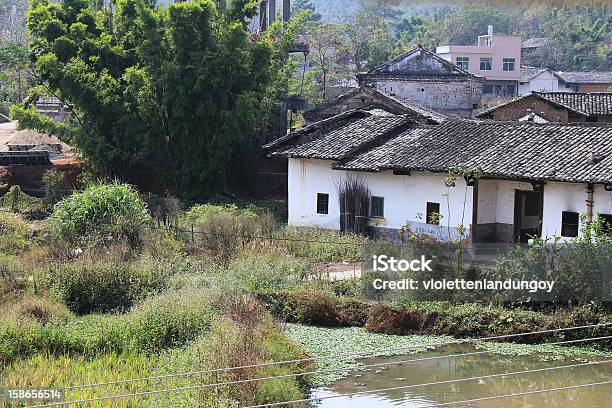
528	209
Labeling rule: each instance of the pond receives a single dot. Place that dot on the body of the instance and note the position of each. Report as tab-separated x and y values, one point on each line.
434	370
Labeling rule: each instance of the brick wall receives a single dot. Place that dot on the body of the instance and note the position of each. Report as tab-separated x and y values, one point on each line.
516	110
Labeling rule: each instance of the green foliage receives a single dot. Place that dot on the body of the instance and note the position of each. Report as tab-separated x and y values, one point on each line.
13	77
102	211
15	233
265	271
17	201
322	245
173	91
103	286
54	187
203	212
161	322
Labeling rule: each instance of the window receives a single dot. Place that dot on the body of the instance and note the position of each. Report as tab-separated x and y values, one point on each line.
463	62
569	224
509	90
606	220
322	203
433	213
508	64
377	207
486	64
487	89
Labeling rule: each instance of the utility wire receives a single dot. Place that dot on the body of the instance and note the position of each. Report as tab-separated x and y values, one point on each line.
403	387
335	356
518	394
194	387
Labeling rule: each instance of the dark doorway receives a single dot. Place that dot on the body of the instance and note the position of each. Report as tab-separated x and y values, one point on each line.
528	207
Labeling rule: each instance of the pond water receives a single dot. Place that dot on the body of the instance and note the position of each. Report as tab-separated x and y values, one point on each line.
394	375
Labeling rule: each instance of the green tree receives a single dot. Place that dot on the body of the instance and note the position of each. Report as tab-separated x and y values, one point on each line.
158	93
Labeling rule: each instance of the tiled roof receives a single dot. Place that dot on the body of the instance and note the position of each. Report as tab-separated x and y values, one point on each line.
501	149
534	42
592	77
439	67
339	136
587	104
416	111
529	73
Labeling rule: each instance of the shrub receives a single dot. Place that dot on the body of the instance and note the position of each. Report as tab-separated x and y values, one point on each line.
389	320
89	286
265	271
224	232
101	212
322	245
15	233
54	182
31	309
203	212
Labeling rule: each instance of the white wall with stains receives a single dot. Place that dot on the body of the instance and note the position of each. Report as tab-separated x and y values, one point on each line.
405	198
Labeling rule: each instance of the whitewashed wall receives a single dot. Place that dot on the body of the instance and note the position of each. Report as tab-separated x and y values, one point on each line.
405	198
545	82
559	197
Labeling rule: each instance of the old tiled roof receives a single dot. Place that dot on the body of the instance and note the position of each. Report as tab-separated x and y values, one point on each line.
592	77
587	104
339	136
599	103
534	42
416	111
438	69
529	73
519	150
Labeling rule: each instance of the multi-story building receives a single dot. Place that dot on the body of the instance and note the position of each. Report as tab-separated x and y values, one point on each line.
496	57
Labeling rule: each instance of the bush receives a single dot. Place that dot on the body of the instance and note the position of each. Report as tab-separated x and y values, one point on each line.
389	320
31	309
88	286
201	213
322	245
224	230
15	233
101	212
265	271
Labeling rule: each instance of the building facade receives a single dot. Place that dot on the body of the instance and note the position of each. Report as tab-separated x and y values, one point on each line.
424	78
534	180
496	57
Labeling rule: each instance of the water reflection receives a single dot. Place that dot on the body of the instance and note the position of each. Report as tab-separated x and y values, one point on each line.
427	371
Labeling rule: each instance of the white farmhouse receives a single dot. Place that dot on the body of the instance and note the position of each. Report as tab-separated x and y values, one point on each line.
537	179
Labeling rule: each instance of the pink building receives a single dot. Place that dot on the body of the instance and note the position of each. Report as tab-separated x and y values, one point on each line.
497	58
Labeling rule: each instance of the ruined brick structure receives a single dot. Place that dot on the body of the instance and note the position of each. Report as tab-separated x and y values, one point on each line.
559	107
424	78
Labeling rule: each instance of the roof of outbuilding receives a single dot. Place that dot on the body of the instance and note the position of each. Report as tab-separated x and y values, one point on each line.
529	73
418	112
339	136
591	77
519	150
586	104
534	42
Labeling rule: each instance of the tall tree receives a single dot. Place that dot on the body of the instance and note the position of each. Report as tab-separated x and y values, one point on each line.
176	91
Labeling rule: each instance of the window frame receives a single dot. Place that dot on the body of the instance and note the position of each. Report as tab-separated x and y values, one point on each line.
511	63
565	224
485	60
464	60
320	203
428	213
382	206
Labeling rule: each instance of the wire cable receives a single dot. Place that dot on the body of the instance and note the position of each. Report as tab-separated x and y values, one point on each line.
195	387
334	356
518	394
403	387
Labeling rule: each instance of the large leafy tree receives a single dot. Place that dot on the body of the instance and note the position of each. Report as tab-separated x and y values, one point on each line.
169	94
